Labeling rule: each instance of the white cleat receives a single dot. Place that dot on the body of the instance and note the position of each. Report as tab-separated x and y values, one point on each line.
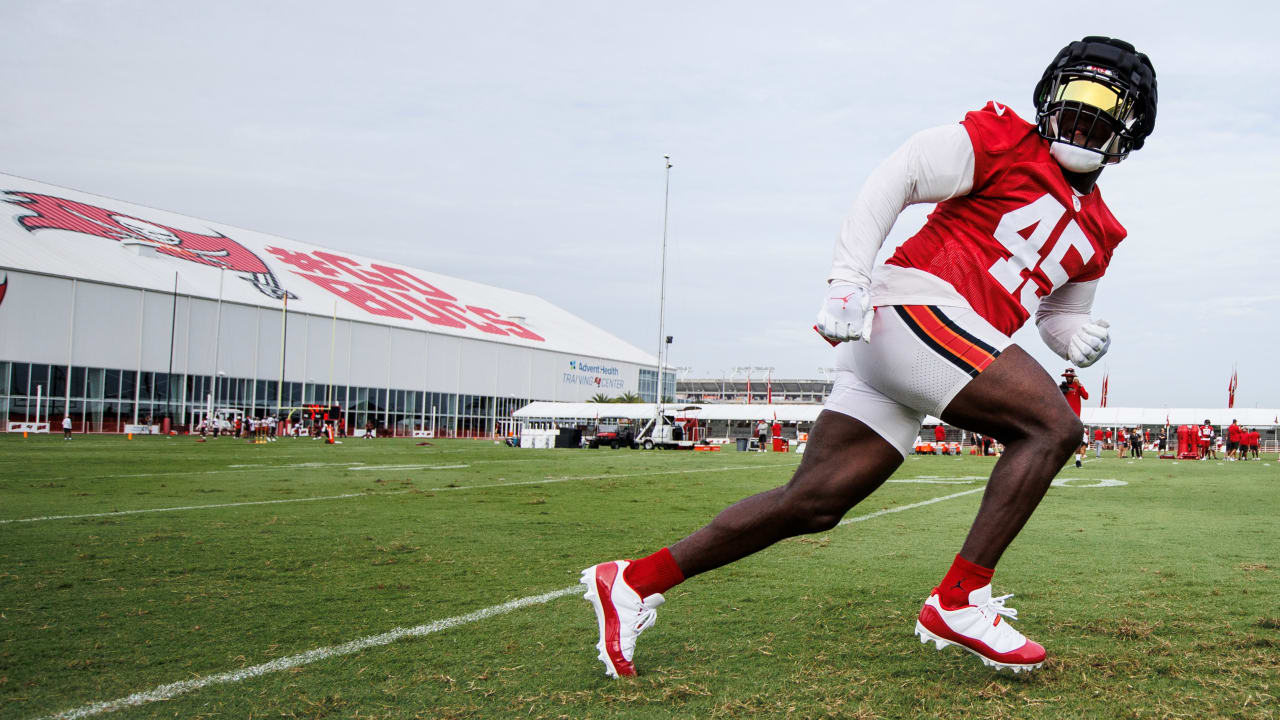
980	627
621	615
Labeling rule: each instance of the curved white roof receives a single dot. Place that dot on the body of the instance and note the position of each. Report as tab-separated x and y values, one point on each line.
57	231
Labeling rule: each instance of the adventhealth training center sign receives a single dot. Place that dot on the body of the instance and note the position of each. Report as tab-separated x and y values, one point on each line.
595	374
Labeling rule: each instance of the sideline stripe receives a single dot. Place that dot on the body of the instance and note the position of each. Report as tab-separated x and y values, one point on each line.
172	690
377	494
182	687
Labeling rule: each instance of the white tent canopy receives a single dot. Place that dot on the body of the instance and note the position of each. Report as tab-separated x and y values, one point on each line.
1108	417
555	411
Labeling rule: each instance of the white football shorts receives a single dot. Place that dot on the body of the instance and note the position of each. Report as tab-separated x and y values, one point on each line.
919	358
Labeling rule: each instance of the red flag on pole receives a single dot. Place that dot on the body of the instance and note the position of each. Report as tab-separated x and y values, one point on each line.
748	387
769	389
1231	388
1106	383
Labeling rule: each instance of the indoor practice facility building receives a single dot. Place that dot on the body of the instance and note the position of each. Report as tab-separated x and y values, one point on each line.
120	315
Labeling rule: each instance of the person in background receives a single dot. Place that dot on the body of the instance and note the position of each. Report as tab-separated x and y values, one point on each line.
939	439
1233	440
1135	443
1122	443
1097	442
66	427
1205	438
1074	392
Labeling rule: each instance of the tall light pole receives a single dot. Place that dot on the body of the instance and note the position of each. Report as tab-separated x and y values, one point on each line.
662	285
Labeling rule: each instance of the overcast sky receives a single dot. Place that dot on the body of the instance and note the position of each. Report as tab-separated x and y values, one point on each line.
521	144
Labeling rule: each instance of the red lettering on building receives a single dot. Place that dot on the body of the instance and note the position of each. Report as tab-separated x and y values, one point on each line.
419	307
391	292
359	297
303	262
459	313
413	281
352	268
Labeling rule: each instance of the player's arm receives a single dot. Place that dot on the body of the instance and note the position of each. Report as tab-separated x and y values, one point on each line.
1066	327
932	166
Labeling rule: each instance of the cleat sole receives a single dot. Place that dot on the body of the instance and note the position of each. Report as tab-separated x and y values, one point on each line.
925	637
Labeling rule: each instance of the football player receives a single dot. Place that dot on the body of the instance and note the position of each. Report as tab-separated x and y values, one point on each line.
1020	229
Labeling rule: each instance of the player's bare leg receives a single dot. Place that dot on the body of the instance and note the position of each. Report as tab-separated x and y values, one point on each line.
1015	401
844	462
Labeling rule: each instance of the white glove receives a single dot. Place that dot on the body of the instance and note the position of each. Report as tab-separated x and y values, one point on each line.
1090	343
846	313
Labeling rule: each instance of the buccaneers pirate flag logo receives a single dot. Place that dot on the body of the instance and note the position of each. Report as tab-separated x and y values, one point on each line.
218	250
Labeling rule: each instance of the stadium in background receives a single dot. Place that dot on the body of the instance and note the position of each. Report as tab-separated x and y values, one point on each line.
119	314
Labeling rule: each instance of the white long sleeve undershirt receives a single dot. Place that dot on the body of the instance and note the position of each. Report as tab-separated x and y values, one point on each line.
1063	312
933	165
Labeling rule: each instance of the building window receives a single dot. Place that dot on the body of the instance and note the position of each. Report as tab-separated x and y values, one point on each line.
648	385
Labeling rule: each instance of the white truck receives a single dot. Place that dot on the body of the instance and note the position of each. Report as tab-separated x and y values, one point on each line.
663	432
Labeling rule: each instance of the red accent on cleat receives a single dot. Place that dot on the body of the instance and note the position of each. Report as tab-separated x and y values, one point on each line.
606	574
1029	654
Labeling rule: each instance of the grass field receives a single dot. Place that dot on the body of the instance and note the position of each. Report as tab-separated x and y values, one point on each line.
235	581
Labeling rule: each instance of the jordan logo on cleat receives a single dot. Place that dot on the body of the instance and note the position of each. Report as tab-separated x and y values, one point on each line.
957	586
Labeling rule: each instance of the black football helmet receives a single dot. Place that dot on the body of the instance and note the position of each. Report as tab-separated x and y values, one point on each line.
1096	102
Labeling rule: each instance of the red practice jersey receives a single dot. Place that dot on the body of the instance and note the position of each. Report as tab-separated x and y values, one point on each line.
1075	392
1020	233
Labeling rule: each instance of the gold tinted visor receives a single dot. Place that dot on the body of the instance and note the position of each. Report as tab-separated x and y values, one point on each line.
1093	94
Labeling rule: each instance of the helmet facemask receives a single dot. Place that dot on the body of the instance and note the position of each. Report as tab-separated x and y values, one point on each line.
1089	118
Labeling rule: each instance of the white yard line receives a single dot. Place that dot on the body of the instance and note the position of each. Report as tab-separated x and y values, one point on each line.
546	481
924	479
182	687
409	467
375	494
201	507
922	503
255	467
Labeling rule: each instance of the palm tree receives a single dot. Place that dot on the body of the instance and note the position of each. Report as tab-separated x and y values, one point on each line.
629	397
600	398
